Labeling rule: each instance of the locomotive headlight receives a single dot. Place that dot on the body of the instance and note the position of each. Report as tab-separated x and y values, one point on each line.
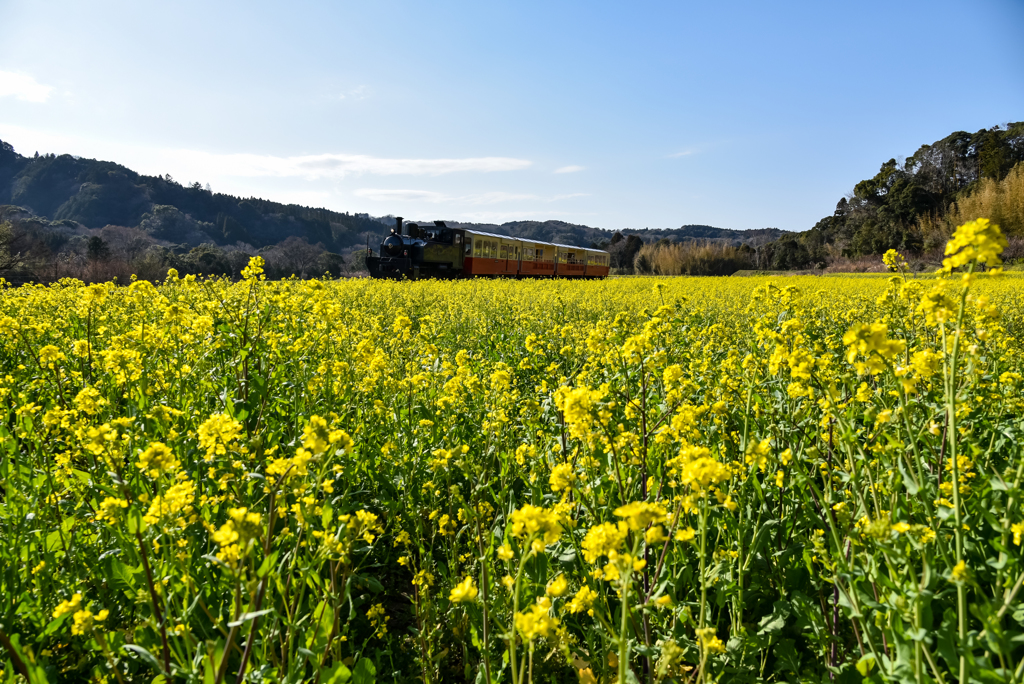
392	245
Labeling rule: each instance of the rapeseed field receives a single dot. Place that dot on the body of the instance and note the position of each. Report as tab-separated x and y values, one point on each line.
682	479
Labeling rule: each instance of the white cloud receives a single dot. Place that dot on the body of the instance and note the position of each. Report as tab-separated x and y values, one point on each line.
336	165
383	195
186	163
684	153
570	169
386	195
23	87
502	216
357	93
479	199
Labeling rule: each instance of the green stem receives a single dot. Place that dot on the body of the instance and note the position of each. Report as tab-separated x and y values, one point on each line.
958	534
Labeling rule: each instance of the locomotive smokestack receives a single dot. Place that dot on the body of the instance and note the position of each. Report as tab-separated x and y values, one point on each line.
398	220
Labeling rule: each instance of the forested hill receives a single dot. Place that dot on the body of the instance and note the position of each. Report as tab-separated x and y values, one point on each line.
99	193
575	234
904	205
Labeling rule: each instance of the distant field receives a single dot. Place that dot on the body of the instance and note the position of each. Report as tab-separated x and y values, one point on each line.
693	479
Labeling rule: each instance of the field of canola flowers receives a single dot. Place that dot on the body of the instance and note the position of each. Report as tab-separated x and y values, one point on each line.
652	480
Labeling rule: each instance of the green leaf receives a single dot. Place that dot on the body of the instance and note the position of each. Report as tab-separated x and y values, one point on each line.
245	617
772	624
336	674
865	664
365	672
266	565
145	655
908	479
317	641
121	577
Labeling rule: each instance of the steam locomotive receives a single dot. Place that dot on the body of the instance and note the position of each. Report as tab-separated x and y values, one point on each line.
415	252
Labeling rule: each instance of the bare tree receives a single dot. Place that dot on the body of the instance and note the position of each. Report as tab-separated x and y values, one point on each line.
293	255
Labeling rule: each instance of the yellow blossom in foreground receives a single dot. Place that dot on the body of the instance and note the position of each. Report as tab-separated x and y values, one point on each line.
583	599
557	586
979	240
536	622
158	459
69	606
176	502
463	592
604	540
533	520
640	514
709	641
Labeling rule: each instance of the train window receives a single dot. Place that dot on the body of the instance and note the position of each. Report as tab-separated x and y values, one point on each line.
503	252
469	244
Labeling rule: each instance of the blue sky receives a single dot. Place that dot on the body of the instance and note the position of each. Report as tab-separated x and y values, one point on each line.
613	114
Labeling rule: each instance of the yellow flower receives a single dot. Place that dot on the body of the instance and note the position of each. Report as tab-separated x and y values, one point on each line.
604	540
583	600
960	572
218	433
69	606
685	535
463	592
176	501
536	623
158	459
901	528
533	520
871	340
562	477
1018	530
656	535
83	622
110	509
894	260
709	641
557	586
640	514
979	240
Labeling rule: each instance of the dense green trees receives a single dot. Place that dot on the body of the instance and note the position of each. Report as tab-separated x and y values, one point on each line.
890	210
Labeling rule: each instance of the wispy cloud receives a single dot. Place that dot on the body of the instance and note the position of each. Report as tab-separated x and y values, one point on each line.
570	169
357	93
502	216
339	165
479	199
684	153
384	195
23	87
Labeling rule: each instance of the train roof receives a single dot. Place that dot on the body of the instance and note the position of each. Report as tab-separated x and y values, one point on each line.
534	242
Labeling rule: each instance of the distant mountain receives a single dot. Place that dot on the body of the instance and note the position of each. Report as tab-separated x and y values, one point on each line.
575	234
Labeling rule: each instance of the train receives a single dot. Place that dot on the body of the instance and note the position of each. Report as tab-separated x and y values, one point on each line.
416	252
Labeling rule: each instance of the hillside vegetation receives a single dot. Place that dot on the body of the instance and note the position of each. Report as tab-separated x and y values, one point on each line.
914	204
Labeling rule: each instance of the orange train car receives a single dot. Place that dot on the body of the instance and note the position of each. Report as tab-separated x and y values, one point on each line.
437	251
